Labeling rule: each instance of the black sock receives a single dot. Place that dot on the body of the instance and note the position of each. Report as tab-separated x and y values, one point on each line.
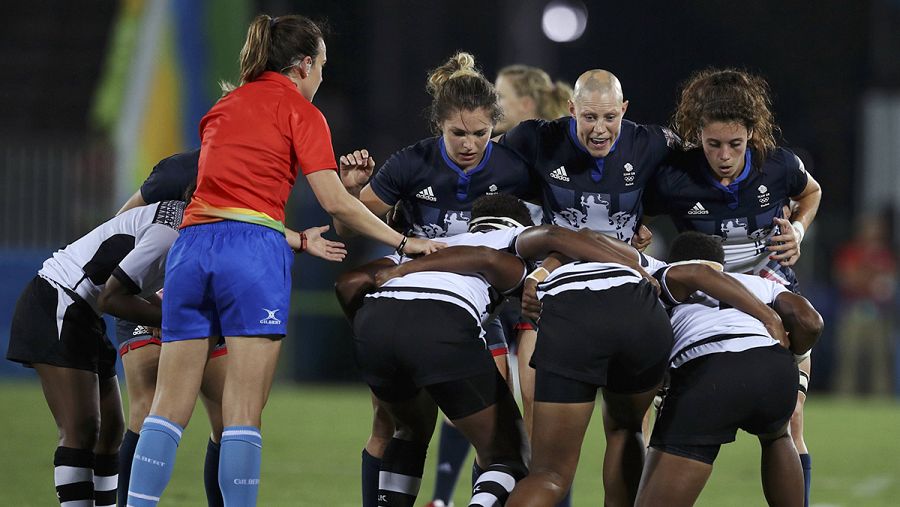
106	479
126	455
452	451
371	467
476	472
73	474
211	475
806	463
401	473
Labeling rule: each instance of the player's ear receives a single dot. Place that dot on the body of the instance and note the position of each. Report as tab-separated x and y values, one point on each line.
572	107
624	107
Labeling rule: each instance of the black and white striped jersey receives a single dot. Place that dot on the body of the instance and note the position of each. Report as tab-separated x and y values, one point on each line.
132	247
703	325
471	293
595	275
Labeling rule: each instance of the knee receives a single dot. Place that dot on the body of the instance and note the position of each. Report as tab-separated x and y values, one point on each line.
111	434
80	432
414	433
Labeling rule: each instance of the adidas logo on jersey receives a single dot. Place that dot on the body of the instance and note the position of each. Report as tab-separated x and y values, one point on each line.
560	174
698	209
426	194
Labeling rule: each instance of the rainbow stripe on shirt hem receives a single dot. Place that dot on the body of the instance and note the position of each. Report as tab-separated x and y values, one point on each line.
205	214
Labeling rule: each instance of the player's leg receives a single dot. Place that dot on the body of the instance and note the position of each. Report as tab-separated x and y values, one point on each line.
672	480
373	452
562	411
211	390
453	447
251	368
140	364
527	338
780	470
623	415
797	427
482	407
414	414
74	400
181	365
112	429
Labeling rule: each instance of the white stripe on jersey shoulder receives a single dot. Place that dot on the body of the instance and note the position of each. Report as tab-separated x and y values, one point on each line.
713	264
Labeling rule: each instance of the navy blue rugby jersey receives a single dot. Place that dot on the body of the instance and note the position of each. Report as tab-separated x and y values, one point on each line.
602	194
171	177
437	194
742	214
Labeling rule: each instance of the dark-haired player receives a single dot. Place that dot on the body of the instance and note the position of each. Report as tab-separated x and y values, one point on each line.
58	330
729	371
737	185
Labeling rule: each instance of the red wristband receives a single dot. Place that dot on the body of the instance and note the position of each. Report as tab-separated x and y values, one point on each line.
302	241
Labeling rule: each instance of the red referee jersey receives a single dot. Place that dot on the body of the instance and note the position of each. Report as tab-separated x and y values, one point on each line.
253	141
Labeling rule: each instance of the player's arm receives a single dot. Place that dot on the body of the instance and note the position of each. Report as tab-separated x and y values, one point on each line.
786	246
119	300
352	286
531	305
333	197
585	245
680	281
502	270
136	200
801	320
356	171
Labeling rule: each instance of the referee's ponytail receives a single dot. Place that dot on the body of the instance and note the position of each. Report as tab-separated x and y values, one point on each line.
458	85
277	44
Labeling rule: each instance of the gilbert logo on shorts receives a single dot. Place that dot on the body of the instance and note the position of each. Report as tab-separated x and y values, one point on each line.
270	318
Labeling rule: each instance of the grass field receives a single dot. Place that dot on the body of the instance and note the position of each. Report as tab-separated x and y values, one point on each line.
313	437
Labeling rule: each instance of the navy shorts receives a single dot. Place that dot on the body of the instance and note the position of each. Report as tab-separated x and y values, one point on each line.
227	279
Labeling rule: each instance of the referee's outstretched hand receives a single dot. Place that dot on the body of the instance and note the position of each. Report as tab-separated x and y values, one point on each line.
318	246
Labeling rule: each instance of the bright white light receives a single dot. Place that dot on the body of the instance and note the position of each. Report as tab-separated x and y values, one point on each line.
564	21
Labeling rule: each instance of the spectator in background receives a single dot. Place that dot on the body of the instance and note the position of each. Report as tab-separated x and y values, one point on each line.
865	269
528	93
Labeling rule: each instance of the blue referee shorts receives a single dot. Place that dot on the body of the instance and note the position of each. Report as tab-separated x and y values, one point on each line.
227	279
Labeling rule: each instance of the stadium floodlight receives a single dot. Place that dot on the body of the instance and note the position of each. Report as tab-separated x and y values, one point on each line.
564	20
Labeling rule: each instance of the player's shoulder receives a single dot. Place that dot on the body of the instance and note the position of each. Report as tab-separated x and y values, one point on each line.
424	151
181	162
784	159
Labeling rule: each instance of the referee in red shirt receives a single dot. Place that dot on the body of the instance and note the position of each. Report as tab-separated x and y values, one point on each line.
229	273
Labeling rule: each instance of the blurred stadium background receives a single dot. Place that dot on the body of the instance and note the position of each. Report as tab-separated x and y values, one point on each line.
94	93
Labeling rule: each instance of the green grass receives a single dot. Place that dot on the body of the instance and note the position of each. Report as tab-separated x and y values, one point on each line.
313	436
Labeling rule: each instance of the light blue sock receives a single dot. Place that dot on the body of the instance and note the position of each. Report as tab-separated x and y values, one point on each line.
239	461
154	459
